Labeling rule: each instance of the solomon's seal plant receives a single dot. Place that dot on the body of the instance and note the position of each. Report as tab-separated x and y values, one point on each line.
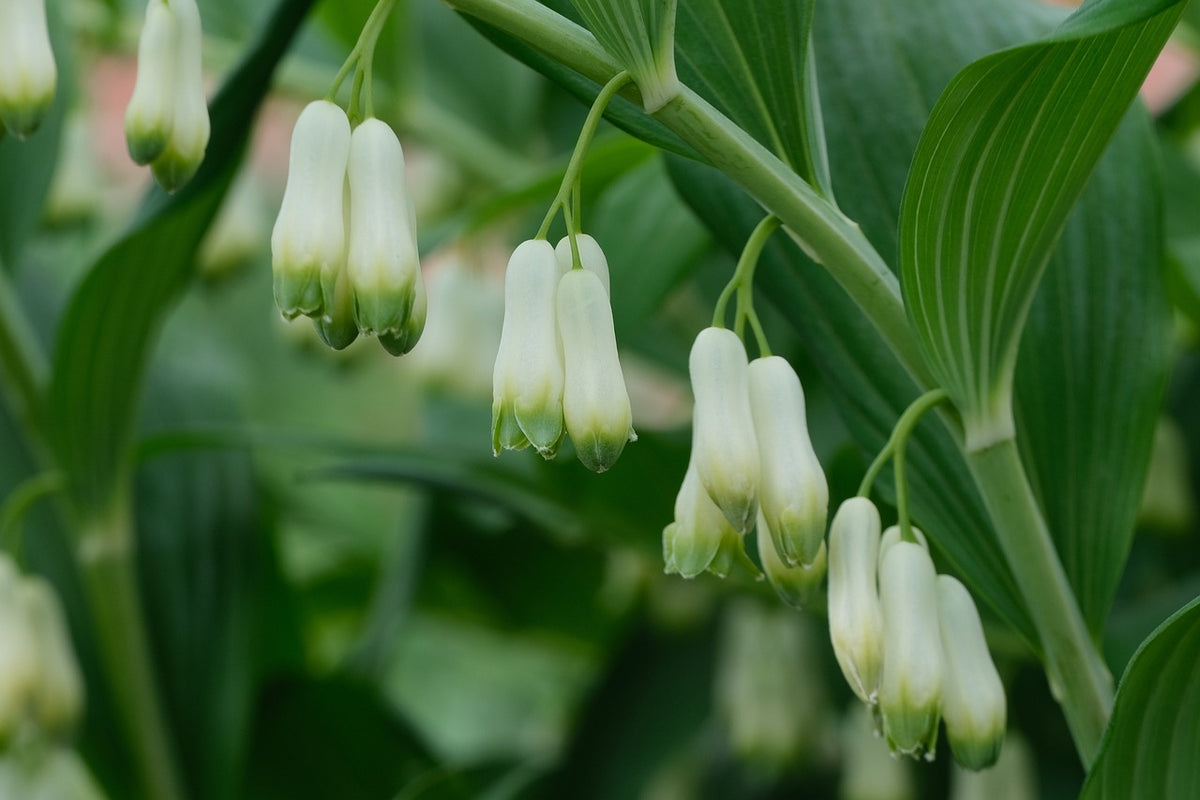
864	319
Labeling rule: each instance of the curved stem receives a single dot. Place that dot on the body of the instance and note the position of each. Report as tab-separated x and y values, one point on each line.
1078	677
575	165
21	356
18	504
743	275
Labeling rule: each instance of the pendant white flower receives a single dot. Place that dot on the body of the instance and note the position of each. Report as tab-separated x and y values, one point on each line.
309	238
19	666
527	383
591	257
596	407
382	262
400	342
795	585
855	615
699	538
190	126
28	74
149	117
724	447
973	702
910	691
792	492
57	699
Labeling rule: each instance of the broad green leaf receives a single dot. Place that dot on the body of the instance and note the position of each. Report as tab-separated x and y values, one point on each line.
640	35
107	332
1150	746
758	68
1004	156
1093	366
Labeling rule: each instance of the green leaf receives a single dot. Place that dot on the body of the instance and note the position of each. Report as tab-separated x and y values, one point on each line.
640	35
758	68
1005	155
109	328
1092	369
1150	746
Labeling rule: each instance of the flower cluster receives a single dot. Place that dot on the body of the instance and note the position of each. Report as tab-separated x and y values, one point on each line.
28	75
910	642
166	122
40	686
752	462
557	370
344	248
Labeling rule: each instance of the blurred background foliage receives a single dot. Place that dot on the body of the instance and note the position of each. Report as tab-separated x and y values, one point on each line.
347	596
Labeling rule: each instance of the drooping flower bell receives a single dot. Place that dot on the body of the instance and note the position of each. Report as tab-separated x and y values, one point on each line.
792	493
382	261
855	615
527	382
724	447
28	75
596	407
18	657
795	585
166	122
973	702
308	243
57	699
700	538
910	691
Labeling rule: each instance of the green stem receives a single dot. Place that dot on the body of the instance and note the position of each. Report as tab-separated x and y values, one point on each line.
900	436
743	274
106	560
826	234
1078	677
18	504
575	165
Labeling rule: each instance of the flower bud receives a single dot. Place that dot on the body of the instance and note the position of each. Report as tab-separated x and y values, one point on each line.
792	492
19	665
527	383
190	126
700	538
150	113
595	403
309	239
796	585
28	75
57	698
723	443
910	691
383	262
973	702
591	257
855	616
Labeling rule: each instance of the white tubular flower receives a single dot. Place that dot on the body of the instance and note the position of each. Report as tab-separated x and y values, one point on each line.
591	257
19	667
796	585
383	263
149	117
595	403
910	691
973	701
723	444
58	696
527	383
792	492
855	615
190	126
28	75
700	538
309	238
